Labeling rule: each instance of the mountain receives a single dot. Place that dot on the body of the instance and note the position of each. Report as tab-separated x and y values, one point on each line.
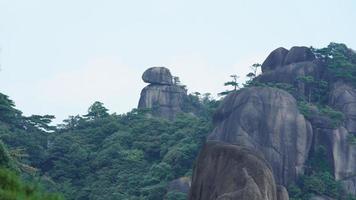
289	133
298	119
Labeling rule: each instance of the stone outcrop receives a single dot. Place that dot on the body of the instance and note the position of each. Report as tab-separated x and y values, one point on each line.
290	66
299	54
343	98
165	98
274	60
266	120
229	172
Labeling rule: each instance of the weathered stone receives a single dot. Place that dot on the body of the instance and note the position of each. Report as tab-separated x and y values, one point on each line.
344	155
299	54
165	100
158	75
266	120
282	193
229	172
180	185
343	98
275	59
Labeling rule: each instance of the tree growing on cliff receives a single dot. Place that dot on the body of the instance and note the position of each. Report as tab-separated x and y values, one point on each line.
233	83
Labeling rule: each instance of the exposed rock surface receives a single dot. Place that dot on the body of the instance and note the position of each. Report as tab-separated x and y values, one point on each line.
344	155
229	172
275	59
162	96
282	193
180	185
266	120
299	54
158	75
298	62
343	98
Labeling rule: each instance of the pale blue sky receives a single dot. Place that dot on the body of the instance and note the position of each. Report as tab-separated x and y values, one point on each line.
58	57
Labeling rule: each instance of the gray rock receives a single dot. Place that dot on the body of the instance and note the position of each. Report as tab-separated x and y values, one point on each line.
165	100
158	75
282	193
275	59
344	155
266	120
180	185
343	98
299	54
229	172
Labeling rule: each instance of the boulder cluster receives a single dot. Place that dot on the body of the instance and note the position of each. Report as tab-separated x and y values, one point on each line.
261	142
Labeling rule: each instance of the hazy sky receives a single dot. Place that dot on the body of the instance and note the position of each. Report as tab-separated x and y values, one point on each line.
58	57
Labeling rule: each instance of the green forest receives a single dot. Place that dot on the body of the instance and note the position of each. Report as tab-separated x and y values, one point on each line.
134	156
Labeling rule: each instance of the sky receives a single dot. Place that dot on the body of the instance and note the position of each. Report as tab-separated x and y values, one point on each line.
58	57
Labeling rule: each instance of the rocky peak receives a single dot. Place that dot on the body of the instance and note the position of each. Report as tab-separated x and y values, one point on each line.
162	95
281	57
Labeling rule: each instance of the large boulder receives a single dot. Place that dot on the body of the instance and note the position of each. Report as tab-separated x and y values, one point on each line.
266	120
165	100
229	172
274	60
299	54
158	75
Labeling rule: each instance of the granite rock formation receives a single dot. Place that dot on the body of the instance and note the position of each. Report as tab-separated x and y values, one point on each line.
266	120
343	98
162	95
158	75
229	172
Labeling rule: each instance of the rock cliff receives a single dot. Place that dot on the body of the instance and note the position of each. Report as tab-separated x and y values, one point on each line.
266	120
226	172
262	129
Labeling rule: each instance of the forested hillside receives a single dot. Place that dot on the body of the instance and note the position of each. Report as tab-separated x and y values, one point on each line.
108	156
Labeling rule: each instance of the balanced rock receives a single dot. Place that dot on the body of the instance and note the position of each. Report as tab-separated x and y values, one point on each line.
229	172
165	98
266	120
158	75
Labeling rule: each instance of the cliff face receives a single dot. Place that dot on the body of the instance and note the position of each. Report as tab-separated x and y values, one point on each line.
164	97
343	98
226	171
267	122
